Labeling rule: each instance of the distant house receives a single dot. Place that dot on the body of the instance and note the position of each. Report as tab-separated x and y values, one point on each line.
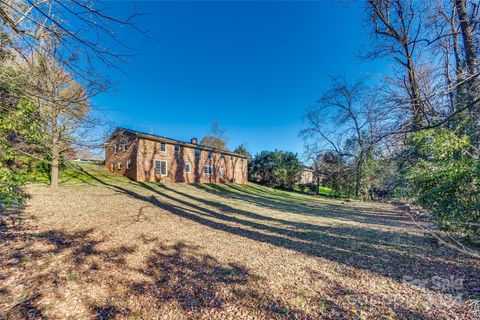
147	157
305	176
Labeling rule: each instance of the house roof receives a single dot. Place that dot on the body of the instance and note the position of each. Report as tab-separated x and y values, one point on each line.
154	137
305	168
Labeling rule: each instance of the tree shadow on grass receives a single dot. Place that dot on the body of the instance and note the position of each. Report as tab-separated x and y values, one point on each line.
387	253
392	254
45	261
260	197
175	278
193	281
327	235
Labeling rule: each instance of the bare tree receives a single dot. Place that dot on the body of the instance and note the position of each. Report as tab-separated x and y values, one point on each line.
49	51
83	30
344	122
217	137
83	33
397	24
468	22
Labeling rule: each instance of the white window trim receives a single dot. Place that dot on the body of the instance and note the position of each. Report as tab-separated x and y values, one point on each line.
209	171
166	167
129	164
222	171
163	143
189	167
119	165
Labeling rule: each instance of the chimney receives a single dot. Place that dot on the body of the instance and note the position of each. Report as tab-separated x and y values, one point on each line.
194	141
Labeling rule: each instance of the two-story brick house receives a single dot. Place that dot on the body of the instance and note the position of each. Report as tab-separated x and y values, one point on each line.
146	157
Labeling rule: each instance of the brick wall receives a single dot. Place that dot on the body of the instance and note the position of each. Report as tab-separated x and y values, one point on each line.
149	151
305	177
116	153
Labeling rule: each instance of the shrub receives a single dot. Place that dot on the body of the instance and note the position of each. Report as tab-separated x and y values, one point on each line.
446	179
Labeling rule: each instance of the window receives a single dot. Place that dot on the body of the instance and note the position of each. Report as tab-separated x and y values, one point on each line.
209	154
231	158
222	156
207	169
197	153
161	167
116	148
125	147
188	168
119	165
128	163
163	147
177	148
222	171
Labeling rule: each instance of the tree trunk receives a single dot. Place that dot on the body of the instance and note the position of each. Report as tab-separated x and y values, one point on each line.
358	178
470	50
466	27
416	100
54	163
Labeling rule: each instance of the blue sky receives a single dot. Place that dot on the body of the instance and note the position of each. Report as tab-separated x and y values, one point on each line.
252	66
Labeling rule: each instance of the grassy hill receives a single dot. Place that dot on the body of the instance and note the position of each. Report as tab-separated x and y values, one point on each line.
106	247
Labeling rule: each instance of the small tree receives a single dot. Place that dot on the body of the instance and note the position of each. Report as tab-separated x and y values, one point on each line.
336	173
243	150
63	111
217	137
345	122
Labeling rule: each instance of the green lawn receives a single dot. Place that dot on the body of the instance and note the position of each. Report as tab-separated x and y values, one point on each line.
324	191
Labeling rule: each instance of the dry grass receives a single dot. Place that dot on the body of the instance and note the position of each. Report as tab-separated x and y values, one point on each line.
104	247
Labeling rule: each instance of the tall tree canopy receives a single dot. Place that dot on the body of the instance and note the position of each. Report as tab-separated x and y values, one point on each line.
275	168
417	134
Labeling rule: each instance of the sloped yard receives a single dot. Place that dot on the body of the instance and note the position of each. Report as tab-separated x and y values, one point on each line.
104	247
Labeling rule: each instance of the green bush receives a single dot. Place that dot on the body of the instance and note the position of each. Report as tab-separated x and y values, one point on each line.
275	169
446	179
